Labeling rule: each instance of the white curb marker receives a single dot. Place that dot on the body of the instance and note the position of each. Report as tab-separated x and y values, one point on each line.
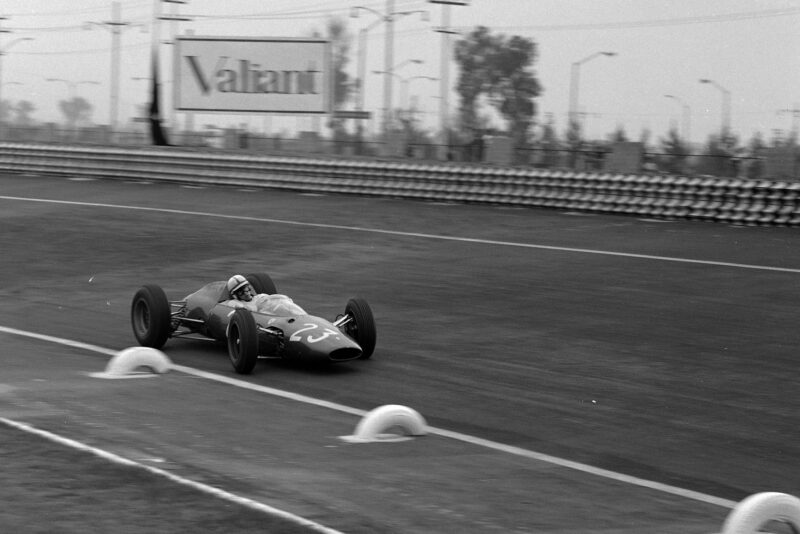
473	440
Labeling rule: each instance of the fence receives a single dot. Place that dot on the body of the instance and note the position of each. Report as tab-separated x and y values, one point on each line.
775	163
728	200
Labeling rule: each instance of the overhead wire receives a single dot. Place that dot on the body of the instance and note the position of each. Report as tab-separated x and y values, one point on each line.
314	11
649	23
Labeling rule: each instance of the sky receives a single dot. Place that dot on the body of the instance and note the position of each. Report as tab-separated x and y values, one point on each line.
748	48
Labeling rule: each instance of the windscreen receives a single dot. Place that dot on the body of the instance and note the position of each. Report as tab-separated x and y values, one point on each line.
279	305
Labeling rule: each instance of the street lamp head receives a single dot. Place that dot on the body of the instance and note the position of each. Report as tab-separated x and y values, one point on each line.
424	15
609	54
354	12
417	61
705	80
15	41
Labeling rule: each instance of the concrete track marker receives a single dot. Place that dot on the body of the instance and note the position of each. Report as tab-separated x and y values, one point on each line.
473	440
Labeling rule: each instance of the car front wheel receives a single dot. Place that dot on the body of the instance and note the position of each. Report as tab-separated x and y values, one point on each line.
361	326
243	342
151	316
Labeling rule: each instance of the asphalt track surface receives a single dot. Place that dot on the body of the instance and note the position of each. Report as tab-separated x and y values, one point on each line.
663	355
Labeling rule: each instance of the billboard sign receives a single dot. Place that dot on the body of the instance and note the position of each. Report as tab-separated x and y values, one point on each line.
252	75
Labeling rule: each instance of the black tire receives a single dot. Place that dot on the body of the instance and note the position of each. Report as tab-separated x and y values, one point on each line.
362	326
151	316
262	283
243	342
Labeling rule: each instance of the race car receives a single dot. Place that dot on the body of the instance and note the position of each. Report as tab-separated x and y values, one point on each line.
279	328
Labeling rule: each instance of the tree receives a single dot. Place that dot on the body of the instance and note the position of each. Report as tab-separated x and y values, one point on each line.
340	38
676	151
619	135
574	142
754	164
499	67
720	153
514	86
23	111
549	143
473	56
5	110
76	111
343	84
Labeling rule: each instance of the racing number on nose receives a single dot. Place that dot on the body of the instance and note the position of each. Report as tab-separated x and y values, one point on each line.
326	333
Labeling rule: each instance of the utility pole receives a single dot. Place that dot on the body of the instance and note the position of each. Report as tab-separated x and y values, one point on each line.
115	26
795	113
2	53
725	130
388	18
174	18
444	87
388	61
1	71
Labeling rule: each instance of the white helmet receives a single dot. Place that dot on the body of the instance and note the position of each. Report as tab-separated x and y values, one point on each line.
235	283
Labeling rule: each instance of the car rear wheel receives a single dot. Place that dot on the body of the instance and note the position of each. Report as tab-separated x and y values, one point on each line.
362	326
243	342
262	283
151	316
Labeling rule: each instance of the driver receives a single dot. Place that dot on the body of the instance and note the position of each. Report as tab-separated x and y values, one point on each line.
242	294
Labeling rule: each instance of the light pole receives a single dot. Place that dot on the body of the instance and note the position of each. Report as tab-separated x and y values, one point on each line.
726	107
795	113
404	82
73	86
362	43
406	62
174	18
575	82
393	72
388	58
444	85
686	117
3	52
115	25
73	94
404	85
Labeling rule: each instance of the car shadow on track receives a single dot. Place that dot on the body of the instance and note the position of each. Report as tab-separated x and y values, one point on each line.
212	357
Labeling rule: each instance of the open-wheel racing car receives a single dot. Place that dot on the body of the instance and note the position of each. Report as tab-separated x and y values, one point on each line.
279	328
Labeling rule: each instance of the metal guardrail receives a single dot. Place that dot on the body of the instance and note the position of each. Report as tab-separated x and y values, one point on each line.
761	202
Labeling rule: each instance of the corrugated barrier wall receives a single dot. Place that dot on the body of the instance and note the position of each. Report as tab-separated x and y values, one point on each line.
727	200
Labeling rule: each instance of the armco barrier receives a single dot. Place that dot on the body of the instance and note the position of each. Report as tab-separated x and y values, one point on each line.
727	200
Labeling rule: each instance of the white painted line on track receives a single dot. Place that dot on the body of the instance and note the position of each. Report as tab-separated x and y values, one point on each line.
412	234
210	490
59	341
472	440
